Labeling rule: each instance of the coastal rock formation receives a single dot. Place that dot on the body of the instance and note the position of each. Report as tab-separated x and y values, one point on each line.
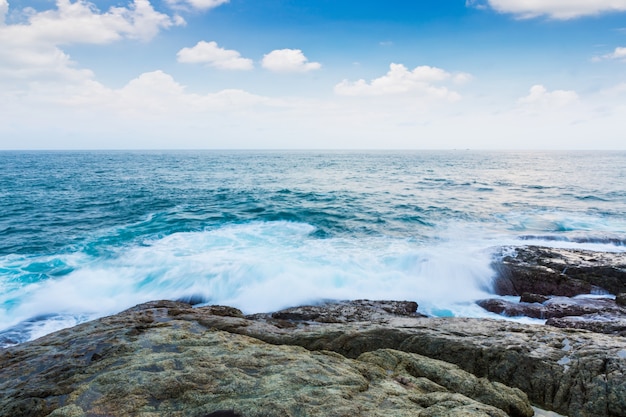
546	277
377	359
563	272
555	307
161	359
601	315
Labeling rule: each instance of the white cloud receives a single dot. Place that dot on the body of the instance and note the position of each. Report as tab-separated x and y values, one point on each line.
462	78
618	53
4	9
211	54
31	50
616	90
288	60
400	80
82	22
539	96
196	4
155	93
155	111
555	9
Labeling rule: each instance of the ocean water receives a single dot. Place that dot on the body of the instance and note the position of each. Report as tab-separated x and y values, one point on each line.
86	234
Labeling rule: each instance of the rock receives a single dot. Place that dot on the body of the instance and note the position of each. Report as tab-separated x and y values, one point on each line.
555	307
161	359
510	309
601	322
564	272
561	370
533	298
620	299
167	358
452	378
597	315
346	312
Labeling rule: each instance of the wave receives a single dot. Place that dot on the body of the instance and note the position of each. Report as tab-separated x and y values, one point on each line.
257	267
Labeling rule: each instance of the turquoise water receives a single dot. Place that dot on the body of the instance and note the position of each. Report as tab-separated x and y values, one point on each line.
84	234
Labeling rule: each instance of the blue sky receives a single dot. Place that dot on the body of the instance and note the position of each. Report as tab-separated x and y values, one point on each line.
482	74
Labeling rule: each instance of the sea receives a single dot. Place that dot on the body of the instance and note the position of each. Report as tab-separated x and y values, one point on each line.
91	233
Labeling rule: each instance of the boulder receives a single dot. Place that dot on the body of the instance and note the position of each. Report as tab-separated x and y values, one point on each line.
564	272
528	297
346	312
554	307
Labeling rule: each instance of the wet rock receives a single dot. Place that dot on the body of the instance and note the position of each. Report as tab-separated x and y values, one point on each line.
533	298
554	307
564	272
511	309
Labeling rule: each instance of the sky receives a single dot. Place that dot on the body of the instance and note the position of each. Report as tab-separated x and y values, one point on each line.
316	74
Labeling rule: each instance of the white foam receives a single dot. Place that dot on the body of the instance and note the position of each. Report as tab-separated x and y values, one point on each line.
261	267
266	266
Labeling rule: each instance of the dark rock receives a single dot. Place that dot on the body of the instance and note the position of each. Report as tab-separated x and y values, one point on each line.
554	307
348	311
510	309
565	272
223	413
620	299
223	311
533	298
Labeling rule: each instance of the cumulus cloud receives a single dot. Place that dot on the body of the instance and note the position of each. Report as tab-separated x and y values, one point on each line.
399	80
32	49
462	78
156	93
82	22
619	53
540	96
288	60
211	54
196	4
4	9
555	9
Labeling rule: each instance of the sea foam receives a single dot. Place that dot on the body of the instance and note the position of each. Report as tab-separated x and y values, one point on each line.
259	267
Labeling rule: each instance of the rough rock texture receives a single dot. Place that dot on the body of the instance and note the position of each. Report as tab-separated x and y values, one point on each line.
565	272
574	372
168	359
600	323
544	275
528	297
358	310
554	307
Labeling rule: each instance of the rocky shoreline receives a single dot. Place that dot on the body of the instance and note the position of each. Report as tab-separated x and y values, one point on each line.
569	288
354	358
